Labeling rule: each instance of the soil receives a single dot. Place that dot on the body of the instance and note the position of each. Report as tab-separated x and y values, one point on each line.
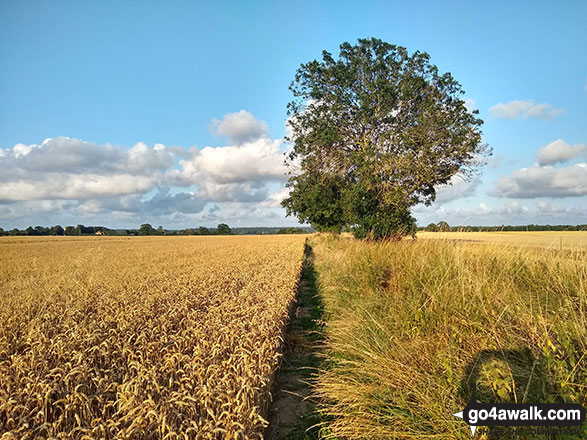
293	413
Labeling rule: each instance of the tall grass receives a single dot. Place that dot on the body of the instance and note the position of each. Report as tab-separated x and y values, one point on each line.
409	325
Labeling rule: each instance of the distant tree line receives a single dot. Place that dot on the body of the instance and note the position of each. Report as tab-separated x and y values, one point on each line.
221	229
444	227
224	229
292	231
144	229
60	230
265	230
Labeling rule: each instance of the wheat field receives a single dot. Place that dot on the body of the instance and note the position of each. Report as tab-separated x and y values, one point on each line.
570	240
154	337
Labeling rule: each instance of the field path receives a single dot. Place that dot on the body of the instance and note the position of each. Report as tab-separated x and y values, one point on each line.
293	414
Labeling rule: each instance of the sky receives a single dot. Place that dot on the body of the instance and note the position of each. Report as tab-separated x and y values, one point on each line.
173	113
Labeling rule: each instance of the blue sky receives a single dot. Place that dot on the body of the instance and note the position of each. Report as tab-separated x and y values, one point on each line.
142	88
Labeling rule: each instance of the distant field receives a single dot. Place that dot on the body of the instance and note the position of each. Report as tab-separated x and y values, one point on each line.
142	337
576	240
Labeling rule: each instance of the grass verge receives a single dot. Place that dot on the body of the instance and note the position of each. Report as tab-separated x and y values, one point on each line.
409	325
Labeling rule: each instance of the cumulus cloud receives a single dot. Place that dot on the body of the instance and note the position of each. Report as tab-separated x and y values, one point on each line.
545	181
72	179
81	186
509	212
261	159
163	202
75	156
65	168
36	211
247	192
274	200
234	172
559	151
524	109
240	127
251	214
238	172
457	187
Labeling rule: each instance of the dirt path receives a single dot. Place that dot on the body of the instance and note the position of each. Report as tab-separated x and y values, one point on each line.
293	414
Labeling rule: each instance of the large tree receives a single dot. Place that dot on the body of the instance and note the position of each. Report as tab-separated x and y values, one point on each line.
146	229
374	132
223	229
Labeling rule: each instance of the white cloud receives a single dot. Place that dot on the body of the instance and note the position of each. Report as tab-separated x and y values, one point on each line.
65	168
240	127
457	187
559	151
80	186
524	109
510	212
141	158
163	202
62	154
233	192
239	172
261	159
545	181
274	200
71	180
235	172
513	208
35	211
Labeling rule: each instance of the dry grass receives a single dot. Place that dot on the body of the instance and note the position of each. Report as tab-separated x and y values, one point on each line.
573	240
410	324
151	338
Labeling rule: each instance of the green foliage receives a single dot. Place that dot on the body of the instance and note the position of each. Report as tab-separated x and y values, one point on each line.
502	228
374	132
316	200
377	224
432	227
146	229
223	229
443	227
292	231
57	230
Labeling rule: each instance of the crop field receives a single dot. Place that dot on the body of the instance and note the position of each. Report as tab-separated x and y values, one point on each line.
574	240
154	337
181	337
410	325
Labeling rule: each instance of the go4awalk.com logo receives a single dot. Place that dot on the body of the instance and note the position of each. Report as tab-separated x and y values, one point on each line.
521	414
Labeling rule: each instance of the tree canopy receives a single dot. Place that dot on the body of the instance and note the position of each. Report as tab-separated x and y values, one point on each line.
146	229
223	229
374	132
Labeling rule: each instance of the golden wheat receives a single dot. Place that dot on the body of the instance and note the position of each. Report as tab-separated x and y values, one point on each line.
571	240
151	338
